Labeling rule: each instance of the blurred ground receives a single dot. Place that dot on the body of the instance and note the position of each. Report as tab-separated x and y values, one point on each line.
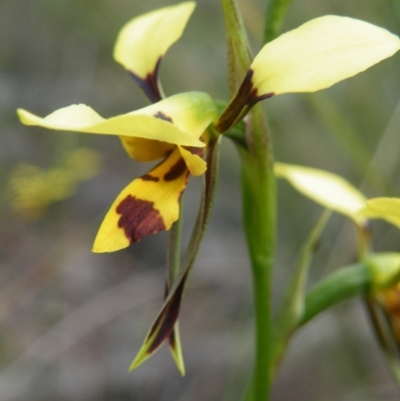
71	321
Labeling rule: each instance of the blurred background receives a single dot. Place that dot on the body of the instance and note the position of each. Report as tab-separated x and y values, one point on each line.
71	321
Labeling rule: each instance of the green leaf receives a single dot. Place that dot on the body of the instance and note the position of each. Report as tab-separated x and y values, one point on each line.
292	307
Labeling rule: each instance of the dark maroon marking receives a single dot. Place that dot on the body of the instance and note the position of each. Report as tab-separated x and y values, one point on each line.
167	319
172	339
194	150
163	116
246	96
176	170
138	218
148	177
149	85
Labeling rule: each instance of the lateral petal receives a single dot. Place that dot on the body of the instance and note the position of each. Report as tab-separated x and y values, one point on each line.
387	209
329	190
146	206
143	42
180	119
320	53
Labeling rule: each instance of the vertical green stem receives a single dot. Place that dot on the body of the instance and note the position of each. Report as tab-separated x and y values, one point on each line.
274	16
259	213
258	191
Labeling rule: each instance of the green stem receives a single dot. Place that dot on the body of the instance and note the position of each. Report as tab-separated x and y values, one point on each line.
274	16
174	248
259	213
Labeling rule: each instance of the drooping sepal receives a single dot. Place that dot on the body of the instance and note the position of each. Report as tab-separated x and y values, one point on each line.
175	347
164	324
143	42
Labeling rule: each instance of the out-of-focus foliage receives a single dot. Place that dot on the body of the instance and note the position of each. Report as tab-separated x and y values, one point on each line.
71	321
32	189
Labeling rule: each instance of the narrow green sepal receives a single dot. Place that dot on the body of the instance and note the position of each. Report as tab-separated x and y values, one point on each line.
175	348
166	319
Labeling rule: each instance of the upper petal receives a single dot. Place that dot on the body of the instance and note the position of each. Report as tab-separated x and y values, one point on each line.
143	41
327	189
320	53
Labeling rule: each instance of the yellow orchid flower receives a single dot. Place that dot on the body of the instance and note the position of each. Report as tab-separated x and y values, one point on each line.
171	129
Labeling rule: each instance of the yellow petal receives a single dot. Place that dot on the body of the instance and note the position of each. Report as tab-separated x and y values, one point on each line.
143	41
327	189
82	118
387	209
320	53
146	206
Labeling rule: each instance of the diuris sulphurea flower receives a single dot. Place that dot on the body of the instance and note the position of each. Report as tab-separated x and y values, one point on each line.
183	128
314	56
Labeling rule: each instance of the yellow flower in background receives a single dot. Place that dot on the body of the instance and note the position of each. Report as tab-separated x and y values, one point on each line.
31	190
314	56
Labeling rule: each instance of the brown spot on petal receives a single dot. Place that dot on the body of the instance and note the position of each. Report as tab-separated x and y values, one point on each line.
149	85
148	177
138	218
176	170
163	116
